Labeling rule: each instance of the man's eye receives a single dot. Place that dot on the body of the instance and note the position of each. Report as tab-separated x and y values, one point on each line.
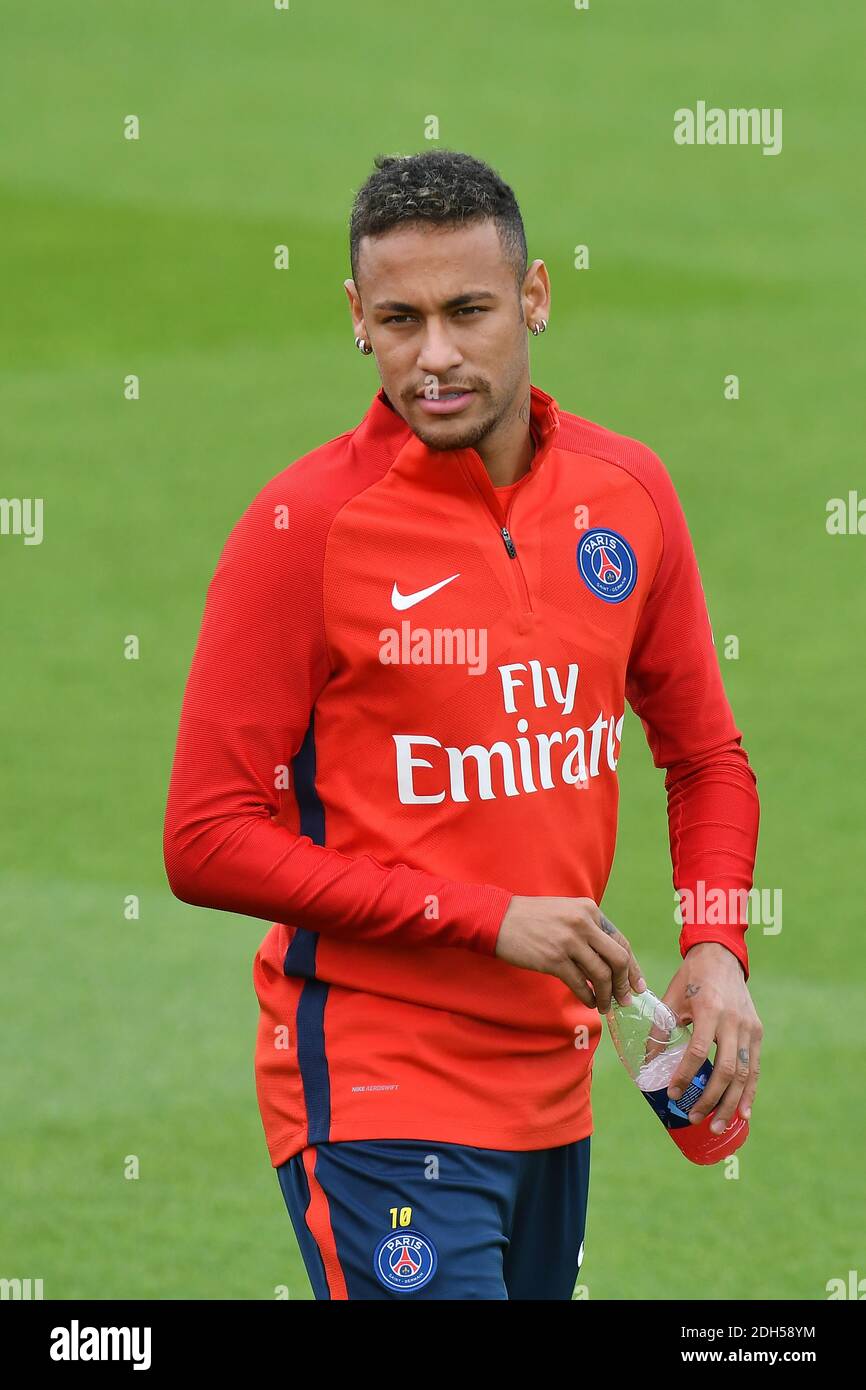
465	309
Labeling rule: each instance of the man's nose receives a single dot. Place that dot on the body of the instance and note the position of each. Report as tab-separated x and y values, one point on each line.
439	352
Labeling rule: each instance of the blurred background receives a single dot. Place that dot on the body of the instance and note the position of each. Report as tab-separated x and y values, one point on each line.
133	1036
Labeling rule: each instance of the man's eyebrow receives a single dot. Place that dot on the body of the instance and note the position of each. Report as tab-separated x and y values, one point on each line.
456	303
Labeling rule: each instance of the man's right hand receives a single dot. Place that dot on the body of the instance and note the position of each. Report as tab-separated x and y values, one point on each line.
572	939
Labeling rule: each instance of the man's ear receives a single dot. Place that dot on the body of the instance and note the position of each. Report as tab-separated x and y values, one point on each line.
536	290
355	306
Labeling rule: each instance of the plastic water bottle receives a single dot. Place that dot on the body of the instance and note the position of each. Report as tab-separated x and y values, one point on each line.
650	1041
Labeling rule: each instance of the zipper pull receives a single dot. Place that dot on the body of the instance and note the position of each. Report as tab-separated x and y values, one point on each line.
508	542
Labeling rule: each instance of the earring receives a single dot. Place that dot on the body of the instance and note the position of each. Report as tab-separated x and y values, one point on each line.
363	346
537	328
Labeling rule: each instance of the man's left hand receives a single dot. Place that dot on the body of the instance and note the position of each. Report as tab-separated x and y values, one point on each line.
710	991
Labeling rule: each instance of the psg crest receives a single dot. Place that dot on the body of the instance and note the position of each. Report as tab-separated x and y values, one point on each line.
607	564
405	1262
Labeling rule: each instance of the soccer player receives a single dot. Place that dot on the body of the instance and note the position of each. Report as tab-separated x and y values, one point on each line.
399	743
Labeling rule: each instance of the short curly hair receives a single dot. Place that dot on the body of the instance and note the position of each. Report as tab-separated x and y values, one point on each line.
439	186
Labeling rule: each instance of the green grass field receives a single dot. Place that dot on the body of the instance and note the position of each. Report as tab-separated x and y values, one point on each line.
154	257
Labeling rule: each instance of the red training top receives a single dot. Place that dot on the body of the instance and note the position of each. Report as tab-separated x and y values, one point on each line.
406	704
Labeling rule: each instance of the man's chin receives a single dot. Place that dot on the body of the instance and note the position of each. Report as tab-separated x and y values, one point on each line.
444	435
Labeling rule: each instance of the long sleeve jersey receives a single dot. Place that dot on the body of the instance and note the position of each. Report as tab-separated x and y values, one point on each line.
406	706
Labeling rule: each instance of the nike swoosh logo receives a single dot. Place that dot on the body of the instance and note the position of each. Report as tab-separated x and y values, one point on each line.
403	601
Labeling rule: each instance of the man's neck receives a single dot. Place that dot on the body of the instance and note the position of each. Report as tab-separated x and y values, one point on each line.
507	452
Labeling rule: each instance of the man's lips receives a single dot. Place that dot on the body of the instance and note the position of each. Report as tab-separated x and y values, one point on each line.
446	402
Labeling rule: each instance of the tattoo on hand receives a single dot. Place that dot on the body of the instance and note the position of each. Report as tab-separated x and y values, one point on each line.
607	927
743	1055
692	990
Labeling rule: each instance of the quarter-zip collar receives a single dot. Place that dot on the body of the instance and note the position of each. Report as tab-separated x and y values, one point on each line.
544	413
383	426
